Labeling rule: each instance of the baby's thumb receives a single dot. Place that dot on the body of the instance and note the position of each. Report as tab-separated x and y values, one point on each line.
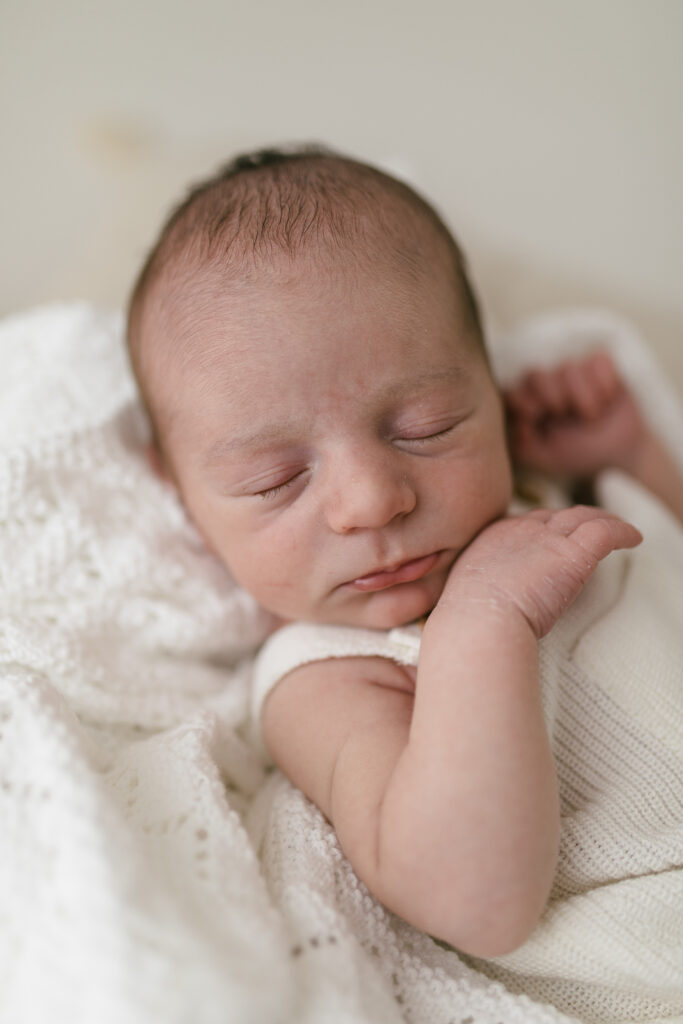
607	533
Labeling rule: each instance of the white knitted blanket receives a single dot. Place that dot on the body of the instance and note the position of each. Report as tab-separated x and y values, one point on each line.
151	870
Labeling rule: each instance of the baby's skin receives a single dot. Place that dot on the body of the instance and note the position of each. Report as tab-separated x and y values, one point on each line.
441	785
340	443
386	501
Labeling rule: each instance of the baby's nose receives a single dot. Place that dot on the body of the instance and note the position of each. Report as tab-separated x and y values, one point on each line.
369	493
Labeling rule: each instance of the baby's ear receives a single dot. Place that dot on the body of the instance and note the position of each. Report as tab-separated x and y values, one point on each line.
157	463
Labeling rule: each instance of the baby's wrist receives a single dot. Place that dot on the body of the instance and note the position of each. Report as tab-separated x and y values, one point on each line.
477	638
473	603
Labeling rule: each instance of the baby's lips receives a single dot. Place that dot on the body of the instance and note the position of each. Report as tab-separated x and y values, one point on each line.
410	571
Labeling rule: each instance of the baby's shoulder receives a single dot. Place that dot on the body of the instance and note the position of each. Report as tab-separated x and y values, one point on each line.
321	668
302	643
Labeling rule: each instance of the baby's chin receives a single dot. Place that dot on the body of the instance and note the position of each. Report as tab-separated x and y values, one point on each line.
388	609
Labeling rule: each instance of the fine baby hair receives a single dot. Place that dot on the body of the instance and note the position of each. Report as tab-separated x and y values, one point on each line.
275	203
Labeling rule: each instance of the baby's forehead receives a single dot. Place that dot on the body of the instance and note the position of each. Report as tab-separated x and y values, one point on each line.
317	283
203	314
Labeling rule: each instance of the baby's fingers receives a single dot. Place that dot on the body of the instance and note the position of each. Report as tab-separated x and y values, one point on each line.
598	532
548	390
584	390
582	387
605	374
538	394
590	384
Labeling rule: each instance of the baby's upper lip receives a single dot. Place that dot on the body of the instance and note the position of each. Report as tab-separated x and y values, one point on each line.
402	571
393	566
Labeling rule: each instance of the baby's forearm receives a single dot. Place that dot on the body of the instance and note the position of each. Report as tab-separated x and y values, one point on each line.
471	812
652	465
445	799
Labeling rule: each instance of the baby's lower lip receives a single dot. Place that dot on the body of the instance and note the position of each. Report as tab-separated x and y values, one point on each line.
406	573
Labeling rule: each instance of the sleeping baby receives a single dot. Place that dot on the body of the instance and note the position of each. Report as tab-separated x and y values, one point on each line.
309	349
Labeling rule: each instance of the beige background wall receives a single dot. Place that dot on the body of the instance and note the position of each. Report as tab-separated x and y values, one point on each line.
548	131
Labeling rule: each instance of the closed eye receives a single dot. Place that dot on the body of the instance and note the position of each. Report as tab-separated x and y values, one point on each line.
272	492
425	439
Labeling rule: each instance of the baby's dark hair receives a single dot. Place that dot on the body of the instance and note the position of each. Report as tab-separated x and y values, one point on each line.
280	202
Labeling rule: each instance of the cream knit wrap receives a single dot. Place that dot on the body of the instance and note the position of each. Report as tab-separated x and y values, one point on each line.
151	869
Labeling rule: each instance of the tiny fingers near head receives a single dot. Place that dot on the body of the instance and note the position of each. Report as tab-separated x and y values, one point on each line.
582	386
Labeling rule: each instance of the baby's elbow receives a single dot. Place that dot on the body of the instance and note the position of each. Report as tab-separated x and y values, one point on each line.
483	907
487	939
493	922
482	923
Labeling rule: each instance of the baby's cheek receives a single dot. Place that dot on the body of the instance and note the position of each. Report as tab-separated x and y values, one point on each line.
267	575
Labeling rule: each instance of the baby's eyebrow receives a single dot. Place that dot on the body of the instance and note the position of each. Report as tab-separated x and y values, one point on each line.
430	378
249	440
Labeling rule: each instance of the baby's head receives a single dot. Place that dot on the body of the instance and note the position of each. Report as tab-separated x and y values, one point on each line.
309	350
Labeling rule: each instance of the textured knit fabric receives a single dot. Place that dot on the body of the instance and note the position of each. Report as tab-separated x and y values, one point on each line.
610	945
151	870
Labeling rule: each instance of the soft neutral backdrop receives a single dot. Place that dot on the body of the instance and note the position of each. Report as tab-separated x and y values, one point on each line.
547	131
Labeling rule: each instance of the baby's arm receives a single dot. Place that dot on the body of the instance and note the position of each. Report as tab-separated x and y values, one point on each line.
578	418
445	800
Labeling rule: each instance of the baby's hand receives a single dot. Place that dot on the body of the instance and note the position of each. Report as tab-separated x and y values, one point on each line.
574	419
537	563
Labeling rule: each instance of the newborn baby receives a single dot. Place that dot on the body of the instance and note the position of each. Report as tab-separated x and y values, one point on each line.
309	349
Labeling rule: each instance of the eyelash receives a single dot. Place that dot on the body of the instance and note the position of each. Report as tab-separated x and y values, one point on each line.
430	437
272	492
